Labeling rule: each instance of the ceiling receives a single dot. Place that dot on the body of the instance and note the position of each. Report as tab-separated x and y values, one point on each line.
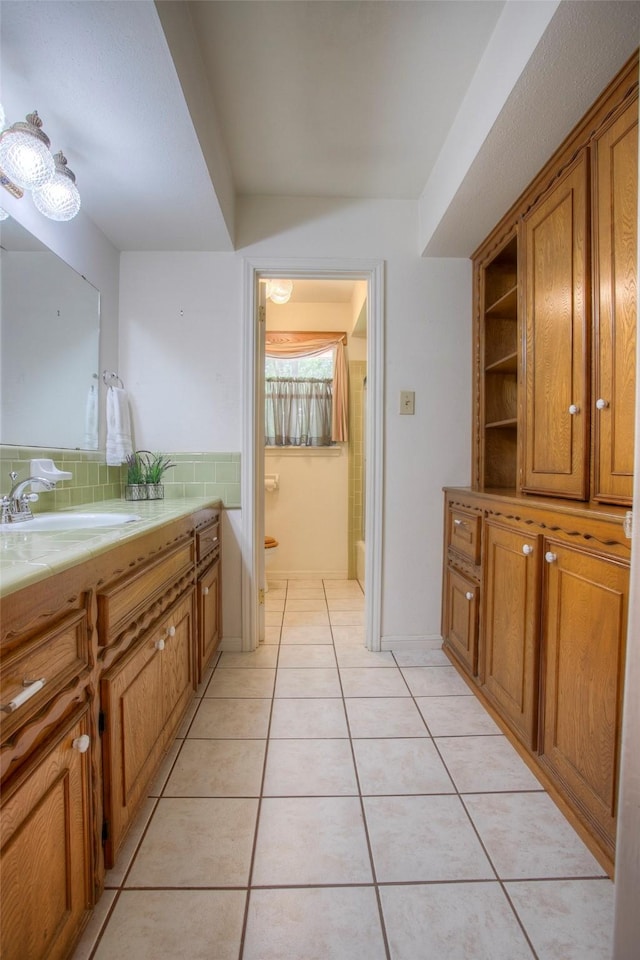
171	113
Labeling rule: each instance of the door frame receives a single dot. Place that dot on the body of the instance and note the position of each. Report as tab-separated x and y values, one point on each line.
252	467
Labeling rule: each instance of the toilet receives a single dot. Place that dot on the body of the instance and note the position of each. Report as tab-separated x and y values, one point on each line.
270	550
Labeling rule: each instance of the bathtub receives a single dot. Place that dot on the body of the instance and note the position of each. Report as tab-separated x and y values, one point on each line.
360	562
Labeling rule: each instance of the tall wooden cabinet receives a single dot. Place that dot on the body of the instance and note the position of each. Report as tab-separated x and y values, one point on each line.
536	565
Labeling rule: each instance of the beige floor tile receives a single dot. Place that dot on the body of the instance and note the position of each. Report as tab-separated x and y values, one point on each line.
158	783
306	655
301	634
384	717
350	655
294	586
452	921
566	919
186	721
343	588
170	924
307	593
314	924
396	766
275	584
242	682
365	682
273	618
484	764
310	768
348	635
218	768
345	603
231	719
308	682
272	634
196	842
262	657
308	618
526	837
423	838
308	718
298	604
456	717
435	681
276	593
115	876
311	840
421	658
346	618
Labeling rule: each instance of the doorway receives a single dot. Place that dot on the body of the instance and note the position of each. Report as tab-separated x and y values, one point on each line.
253	433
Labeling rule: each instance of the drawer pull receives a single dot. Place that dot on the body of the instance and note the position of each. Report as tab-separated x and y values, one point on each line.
527	549
205	591
460	523
159	644
82	743
469	595
171	631
31	688
550	557
602	404
573	409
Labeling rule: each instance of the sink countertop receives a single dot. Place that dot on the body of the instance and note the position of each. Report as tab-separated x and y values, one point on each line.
26	557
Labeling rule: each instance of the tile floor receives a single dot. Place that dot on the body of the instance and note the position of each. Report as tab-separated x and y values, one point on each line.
326	803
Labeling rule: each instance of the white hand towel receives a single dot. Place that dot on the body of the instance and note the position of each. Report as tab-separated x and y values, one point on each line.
90	439
119	445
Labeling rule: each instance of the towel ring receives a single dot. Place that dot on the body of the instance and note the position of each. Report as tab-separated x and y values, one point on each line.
108	376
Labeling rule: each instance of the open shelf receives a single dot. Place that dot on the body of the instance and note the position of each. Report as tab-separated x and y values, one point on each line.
502	424
507	364
505	306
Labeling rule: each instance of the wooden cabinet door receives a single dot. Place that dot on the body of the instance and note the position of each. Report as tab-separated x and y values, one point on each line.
209	616
46	826
510	627
461	619
615	159
143	698
584	632
556	301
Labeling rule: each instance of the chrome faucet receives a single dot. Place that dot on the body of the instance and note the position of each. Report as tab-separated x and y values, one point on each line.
14	505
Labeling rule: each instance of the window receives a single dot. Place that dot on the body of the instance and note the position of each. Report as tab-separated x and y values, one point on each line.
299	400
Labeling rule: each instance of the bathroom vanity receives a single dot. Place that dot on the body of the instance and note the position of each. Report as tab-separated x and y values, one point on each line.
112	631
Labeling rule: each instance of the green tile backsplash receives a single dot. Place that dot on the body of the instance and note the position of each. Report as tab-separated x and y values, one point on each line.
215	475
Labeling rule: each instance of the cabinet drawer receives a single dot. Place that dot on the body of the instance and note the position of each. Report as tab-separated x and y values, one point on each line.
55	655
208	539
133	594
464	533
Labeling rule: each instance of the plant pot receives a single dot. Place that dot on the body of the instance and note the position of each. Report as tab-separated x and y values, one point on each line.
135	491
155	491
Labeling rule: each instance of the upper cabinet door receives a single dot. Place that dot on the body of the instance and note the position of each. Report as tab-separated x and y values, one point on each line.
556	423
615	174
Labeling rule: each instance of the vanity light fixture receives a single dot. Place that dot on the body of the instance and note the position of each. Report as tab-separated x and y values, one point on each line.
279	291
26	163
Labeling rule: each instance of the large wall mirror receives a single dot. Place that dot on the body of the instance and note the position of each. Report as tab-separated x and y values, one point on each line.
49	344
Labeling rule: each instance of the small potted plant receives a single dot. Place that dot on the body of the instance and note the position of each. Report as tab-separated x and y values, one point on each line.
136	486
155	466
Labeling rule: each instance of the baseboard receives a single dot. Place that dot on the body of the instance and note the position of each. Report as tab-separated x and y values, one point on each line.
231	644
433	642
307	574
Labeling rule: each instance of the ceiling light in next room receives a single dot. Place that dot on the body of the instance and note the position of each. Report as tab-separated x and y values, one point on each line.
279	291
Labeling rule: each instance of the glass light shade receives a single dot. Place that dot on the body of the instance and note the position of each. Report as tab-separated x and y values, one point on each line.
279	291
58	199
24	154
3	214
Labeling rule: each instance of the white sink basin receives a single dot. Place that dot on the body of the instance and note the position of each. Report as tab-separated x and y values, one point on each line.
69	521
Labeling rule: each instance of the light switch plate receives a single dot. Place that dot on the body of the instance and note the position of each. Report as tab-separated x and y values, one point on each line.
407	401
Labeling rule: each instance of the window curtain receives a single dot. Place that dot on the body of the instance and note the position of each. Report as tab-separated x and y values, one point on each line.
297	412
297	345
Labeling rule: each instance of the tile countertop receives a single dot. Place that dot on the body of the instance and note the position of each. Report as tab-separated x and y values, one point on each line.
28	557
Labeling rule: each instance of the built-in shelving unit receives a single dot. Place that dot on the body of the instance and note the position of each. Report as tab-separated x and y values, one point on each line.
499	368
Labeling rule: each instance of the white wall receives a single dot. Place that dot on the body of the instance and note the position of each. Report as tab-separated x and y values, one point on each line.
185	371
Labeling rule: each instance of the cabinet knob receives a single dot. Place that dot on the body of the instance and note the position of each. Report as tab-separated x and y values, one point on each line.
469	595
82	743
573	409
205	591
159	644
527	549
171	631
550	557
602	404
